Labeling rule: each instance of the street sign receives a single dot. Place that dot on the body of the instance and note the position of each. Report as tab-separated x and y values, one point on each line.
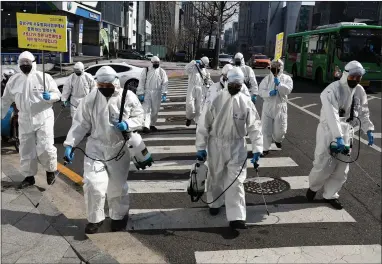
279	46
42	32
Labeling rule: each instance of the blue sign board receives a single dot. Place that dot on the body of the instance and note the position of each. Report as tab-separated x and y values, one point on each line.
87	14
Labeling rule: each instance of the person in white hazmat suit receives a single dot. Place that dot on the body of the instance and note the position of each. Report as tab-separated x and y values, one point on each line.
77	86
107	163
228	119
152	90
198	79
36	118
274	89
336	99
249	76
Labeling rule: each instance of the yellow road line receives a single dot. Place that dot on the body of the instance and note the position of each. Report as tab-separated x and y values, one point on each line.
70	174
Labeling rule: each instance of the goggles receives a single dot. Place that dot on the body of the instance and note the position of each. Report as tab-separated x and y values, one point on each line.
358	72
105	85
25	62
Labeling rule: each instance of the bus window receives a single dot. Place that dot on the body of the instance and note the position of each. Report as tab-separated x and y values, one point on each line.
312	48
294	45
323	44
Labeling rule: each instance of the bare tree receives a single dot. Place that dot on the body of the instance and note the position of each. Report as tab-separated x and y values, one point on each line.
219	13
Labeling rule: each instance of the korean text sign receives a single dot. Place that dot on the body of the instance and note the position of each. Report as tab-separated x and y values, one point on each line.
279	45
42	32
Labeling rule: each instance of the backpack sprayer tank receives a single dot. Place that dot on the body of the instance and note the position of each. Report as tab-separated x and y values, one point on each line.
139	153
197	181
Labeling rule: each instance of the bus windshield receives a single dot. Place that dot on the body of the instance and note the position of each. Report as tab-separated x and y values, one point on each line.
363	45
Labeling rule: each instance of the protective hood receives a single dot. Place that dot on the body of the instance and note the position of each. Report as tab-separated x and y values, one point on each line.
155	59
79	66
235	76
277	63
344	80
241	57
29	56
205	61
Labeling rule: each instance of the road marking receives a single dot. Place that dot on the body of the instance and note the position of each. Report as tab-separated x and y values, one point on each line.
293	98
305	254
178	127
309	105
185	148
180	186
187	218
374	97
174	103
316	116
377	135
70	174
178	165
172	113
177	96
161	120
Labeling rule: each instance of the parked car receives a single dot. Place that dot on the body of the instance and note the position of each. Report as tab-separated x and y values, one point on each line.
225	59
148	56
259	61
129	54
128	75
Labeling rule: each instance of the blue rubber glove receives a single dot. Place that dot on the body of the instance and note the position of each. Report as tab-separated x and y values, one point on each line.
68	154
198	61
370	136
141	97
273	92
255	158
46	95
123	126
340	144
201	154
253	98
277	81
164	96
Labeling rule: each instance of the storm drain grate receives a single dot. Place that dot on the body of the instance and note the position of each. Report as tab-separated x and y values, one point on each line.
270	186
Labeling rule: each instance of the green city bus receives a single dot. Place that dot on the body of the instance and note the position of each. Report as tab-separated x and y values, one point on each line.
315	54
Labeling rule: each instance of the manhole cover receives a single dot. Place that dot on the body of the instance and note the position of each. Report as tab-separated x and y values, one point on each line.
270	186
174	106
176	119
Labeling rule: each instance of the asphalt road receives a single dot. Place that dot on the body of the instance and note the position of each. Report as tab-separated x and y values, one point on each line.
179	233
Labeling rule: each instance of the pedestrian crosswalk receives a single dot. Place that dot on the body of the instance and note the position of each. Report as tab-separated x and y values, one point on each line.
160	203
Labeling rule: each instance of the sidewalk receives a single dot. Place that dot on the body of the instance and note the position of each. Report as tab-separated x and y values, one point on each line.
42	234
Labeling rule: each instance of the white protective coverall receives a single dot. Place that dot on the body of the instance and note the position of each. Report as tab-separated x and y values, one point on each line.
77	87
328	172
98	114
274	116
227	121
249	75
196	90
153	84
36	117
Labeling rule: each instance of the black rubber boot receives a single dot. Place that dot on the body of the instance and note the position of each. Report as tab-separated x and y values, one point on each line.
188	122
214	211
265	153
28	181
310	195
92	228
146	130
278	144
238	224
153	129
118	225
50	177
335	203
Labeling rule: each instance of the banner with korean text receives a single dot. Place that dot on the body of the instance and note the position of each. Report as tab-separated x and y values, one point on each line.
279	45
42	32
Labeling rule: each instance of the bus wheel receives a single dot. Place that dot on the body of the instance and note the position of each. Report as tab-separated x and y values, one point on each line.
294	72
319	77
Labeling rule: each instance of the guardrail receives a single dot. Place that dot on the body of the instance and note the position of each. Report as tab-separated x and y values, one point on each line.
11	58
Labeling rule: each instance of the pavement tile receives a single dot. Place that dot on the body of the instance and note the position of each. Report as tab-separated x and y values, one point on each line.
102	259
70	253
70	261
49	249
27	231
15	210
10	253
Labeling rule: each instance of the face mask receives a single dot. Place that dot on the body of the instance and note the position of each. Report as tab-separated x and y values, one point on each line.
237	62
275	70
107	92
233	88
78	73
155	66
352	83
26	69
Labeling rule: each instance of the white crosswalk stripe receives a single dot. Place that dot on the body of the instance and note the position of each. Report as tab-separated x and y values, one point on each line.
174	151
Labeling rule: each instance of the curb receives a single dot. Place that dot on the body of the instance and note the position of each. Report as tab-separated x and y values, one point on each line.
70	229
